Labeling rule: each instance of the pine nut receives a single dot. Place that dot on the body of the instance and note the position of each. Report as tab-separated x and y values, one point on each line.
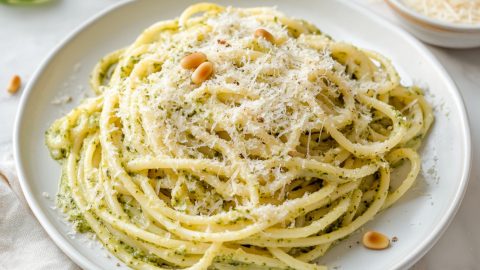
193	60
202	73
262	33
14	85
375	240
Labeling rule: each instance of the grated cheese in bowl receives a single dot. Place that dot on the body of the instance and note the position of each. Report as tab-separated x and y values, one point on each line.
454	11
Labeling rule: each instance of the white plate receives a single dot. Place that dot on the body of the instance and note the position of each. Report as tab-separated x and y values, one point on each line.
417	220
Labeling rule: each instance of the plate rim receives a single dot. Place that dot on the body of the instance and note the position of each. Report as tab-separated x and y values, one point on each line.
412	257
57	237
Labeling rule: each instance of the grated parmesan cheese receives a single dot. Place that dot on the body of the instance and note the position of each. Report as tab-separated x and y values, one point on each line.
455	11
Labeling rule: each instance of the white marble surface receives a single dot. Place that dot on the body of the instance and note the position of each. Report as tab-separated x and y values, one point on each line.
28	34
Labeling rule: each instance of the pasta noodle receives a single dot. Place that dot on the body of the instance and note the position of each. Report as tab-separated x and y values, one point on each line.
285	148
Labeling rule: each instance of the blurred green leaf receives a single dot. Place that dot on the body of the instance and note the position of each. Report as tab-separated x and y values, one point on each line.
24	2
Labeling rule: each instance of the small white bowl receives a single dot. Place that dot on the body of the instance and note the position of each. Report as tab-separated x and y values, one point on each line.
434	31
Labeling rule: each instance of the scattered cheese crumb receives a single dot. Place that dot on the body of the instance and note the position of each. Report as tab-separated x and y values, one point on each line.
61	100
46	195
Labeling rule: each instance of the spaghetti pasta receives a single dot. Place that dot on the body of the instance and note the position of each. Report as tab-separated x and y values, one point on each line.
283	148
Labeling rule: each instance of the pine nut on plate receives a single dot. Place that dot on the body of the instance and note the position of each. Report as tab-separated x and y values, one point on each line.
202	73
260	32
193	60
375	240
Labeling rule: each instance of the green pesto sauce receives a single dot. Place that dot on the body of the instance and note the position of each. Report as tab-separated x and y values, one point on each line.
66	203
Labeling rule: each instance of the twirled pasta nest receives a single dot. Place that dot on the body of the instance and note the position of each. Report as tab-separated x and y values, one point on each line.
283	147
